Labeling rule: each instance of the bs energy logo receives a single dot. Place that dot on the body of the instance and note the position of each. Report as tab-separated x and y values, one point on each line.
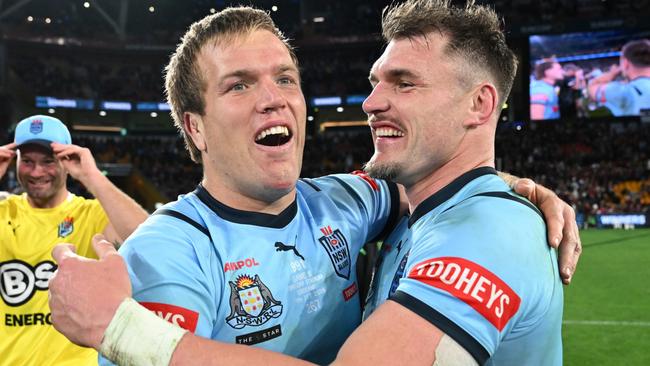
19	280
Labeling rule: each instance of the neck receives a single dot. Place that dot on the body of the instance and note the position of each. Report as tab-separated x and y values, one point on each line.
269	202
476	150
549	81
634	73
49	202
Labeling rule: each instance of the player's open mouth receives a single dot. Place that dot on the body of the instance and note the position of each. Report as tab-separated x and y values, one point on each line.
388	132
274	136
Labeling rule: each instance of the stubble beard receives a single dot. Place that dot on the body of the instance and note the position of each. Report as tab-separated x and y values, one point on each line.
386	171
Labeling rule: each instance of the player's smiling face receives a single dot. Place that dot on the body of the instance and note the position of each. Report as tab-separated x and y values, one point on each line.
40	174
254	122
414	110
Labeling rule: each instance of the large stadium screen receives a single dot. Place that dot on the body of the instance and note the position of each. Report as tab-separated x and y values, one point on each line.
582	75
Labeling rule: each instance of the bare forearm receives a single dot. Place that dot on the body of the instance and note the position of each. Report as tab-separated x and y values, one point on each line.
123	212
194	350
601	80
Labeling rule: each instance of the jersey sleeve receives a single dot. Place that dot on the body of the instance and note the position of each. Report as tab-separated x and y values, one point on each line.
99	215
467	272
539	94
615	95
372	204
174	273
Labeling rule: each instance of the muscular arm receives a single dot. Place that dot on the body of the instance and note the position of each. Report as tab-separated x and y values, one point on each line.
393	335
105	286
123	212
602	80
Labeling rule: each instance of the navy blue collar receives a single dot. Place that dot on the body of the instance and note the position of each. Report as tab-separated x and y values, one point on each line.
447	192
247	217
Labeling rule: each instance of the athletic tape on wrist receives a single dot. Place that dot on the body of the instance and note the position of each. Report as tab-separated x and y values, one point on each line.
136	336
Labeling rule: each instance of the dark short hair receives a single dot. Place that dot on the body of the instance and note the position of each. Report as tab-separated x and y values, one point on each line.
184	83
542	65
637	52
473	32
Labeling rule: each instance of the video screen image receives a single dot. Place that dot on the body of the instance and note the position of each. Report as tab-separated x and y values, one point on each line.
589	74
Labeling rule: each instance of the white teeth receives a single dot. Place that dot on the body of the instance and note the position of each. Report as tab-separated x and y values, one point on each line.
388	132
275	130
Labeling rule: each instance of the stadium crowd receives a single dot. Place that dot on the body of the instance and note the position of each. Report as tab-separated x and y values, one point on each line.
597	167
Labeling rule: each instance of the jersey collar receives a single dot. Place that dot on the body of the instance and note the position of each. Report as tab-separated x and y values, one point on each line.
447	192
247	217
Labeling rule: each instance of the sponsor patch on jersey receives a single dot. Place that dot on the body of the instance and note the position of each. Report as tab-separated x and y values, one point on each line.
336	246
471	283
363	175
251	303
260	336
350	291
66	227
237	265
179	316
19	280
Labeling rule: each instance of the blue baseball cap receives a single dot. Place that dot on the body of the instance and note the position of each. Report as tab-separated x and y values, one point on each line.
41	130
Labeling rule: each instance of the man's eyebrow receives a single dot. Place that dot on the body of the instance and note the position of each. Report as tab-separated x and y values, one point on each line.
241	73
287	67
400	73
393	74
248	73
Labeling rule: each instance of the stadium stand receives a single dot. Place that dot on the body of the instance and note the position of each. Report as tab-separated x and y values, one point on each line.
598	166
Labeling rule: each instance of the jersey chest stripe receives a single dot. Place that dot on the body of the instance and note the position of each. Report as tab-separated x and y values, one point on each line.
504	195
309	183
182	217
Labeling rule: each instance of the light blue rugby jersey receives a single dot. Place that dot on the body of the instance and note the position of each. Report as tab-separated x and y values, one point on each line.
283	282
625	98
547	95
473	260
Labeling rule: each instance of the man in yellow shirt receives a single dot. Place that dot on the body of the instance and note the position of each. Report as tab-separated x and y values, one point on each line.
32	223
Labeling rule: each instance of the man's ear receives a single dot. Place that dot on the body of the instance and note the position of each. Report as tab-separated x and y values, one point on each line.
193	126
484	104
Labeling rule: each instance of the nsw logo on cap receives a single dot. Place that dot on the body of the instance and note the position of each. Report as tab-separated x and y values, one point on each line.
36	126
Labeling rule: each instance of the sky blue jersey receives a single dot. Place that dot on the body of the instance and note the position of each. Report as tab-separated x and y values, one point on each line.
625	98
547	95
283	282
473	260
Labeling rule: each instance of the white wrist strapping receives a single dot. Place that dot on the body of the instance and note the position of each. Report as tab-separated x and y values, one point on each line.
136	336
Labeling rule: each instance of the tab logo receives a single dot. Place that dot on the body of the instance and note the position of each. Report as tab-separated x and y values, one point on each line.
179	316
475	285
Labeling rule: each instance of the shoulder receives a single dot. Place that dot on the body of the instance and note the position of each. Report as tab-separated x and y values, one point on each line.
169	228
357	184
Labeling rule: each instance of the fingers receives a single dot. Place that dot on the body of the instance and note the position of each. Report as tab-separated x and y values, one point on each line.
8	151
103	247
63	151
570	247
63	251
526	188
554	223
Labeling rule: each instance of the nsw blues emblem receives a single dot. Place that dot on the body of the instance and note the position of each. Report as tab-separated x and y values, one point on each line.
251	303
36	126
66	227
336	246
